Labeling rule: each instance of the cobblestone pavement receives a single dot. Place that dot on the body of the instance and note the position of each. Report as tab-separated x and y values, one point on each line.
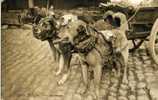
28	73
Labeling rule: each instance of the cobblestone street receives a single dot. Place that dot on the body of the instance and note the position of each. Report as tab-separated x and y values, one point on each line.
28	73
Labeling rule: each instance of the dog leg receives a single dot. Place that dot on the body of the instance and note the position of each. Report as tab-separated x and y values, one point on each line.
97	79
84	69
119	71
84	73
56	55
118	68
61	64
67	59
53	49
125	80
64	78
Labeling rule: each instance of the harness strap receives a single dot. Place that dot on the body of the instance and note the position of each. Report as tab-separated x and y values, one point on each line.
106	41
111	53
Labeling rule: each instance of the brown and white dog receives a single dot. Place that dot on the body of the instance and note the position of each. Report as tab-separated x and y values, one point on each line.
60	38
94	58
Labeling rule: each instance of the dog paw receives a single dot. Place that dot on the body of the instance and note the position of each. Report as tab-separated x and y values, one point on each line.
82	89
94	96
63	79
124	80
58	73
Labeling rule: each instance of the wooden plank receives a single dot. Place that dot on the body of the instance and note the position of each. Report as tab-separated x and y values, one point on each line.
137	35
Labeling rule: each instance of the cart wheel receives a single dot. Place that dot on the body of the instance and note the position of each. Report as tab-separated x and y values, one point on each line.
136	44
153	42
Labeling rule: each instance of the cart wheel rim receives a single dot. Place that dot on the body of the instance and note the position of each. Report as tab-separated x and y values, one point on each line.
153	42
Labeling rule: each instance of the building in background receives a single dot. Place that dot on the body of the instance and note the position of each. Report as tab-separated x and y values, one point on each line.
58	4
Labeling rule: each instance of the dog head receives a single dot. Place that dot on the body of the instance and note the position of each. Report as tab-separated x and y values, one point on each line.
45	29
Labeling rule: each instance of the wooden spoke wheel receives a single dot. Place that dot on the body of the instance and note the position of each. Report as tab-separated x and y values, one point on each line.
153	42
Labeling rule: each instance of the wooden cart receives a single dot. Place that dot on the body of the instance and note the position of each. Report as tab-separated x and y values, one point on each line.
142	25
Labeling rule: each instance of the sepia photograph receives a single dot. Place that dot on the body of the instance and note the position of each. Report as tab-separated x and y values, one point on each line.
79	50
